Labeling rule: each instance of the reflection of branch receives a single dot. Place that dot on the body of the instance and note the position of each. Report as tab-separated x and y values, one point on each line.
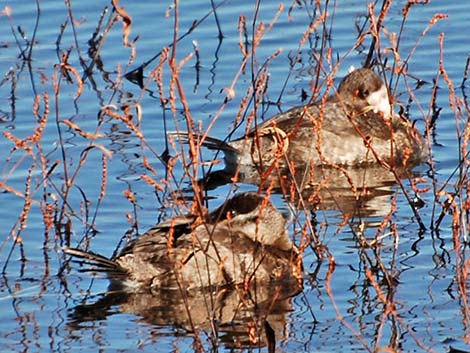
376	25
135	75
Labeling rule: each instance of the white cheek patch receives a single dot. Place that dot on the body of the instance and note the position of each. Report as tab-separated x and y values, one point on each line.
380	103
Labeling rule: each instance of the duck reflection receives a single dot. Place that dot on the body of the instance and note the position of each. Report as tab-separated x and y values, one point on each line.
357	191
233	316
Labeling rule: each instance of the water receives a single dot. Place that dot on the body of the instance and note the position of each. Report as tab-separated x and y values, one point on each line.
46	309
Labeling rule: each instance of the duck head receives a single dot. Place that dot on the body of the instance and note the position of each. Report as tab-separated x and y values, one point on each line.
364	91
255	217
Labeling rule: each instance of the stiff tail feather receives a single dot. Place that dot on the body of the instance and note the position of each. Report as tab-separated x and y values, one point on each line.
94	262
209	142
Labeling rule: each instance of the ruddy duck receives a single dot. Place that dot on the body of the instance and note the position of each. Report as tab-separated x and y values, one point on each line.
243	241
351	128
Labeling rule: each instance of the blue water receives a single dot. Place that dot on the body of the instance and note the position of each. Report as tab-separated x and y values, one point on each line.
337	311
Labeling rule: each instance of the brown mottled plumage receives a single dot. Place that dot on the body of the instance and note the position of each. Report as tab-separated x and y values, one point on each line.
353	127
243	241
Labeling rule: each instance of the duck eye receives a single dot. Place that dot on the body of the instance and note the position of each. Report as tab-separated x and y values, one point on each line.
361	93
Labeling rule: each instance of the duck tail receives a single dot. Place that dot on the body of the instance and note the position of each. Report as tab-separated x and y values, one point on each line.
94	262
206	141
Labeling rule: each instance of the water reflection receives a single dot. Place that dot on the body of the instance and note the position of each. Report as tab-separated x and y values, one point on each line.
234	317
362	192
428	286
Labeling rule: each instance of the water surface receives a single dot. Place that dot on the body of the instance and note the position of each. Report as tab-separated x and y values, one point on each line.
48	307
